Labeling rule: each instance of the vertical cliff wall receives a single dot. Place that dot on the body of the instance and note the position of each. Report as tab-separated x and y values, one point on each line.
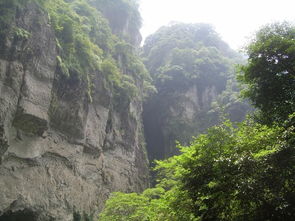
70	132
123	16
193	71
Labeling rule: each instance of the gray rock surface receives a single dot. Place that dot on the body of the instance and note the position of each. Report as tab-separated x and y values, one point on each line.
177	116
60	154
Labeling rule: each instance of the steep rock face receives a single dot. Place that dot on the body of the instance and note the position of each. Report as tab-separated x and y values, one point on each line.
60	153
177	116
123	17
192	69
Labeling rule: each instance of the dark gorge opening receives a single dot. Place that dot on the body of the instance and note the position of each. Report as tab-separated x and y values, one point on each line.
21	215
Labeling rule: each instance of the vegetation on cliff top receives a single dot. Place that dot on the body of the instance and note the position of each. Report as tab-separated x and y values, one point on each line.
86	44
192	52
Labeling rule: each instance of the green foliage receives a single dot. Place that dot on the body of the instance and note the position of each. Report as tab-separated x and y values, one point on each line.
151	205
129	85
85	42
87	46
62	66
242	172
125	207
182	44
21	33
234	172
221	169
80	54
124	84
133	66
270	72
110	69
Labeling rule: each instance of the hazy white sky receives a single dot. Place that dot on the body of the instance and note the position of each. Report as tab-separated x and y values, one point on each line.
234	20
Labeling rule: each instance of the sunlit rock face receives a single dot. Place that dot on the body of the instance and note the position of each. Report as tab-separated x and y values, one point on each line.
60	154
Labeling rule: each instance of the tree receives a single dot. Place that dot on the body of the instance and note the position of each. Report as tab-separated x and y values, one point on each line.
122	206
152	205
243	172
270	72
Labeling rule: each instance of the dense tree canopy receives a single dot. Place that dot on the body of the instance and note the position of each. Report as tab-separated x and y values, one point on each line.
240	174
231	173
270	72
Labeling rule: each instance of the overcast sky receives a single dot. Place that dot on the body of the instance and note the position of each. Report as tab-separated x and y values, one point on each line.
234	20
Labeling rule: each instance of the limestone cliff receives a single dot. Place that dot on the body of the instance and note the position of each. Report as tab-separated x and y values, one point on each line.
66	140
123	16
192	69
